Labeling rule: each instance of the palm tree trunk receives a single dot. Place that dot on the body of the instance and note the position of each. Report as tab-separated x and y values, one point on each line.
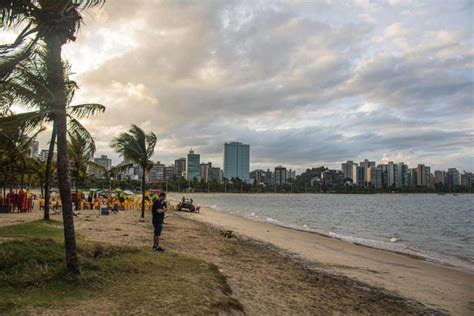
57	87
47	180
143	193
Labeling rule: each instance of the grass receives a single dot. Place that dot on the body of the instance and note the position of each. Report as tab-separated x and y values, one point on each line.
113	279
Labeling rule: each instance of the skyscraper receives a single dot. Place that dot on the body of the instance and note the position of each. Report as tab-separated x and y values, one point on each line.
280	175
205	171
349	170
192	166
237	161
180	166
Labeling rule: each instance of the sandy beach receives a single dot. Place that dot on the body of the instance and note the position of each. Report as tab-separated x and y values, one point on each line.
274	270
437	285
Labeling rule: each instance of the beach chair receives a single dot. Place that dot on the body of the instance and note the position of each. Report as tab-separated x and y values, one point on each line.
115	209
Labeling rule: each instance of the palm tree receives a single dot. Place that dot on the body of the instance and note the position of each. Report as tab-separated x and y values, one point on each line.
81	150
27	85
15	149
54	23
136	147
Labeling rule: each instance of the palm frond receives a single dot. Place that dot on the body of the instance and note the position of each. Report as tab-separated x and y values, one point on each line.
75	127
85	110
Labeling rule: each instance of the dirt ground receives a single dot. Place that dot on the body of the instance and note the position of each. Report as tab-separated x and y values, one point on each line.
266	280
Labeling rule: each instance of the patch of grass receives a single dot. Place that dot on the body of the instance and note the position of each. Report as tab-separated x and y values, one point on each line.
125	279
36	229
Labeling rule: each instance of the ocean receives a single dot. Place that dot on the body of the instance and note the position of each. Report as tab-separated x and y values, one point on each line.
439	228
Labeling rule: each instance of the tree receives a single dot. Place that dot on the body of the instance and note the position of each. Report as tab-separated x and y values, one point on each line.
27	85
81	150
54	23
136	147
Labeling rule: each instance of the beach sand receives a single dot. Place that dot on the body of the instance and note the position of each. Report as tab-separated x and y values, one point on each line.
434	284
274	270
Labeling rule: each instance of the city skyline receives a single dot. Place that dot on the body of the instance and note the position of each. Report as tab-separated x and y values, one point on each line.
306	83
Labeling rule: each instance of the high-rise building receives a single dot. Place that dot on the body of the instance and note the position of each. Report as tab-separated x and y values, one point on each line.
205	171
268	177
170	172
361	176
375	177
216	174
258	176
291	174
157	172
384	169
403	175
349	170
180	167
422	175
280	175
393	175
440	176
44	155
365	165
467	179
413	176
453	177
192	166
237	161
103	161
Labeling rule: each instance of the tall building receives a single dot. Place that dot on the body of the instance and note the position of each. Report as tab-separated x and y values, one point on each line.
103	161
453	177
349	170
44	155
393	175
258	176
180	167
237	161
365	165
291	174
422	175
413	177
384	169
403	175
192	166
280	175
157	172
361	176
440	176
216	174
467	179
375	177
170	172
205	171
268	177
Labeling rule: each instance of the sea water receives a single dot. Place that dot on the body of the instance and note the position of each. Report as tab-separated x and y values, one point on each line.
437	227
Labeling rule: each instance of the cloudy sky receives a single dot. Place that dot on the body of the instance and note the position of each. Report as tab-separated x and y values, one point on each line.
304	83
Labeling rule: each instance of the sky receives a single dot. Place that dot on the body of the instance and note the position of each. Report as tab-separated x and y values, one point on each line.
305	83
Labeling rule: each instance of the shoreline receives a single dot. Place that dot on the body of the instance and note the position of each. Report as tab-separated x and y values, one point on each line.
436	284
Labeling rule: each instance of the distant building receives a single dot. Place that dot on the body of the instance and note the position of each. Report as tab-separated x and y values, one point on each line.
193	166
403	175
237	161
440	176
349	170
393	175
180	167
205	171
216	174
453	177
467	179
280	175
384	169
332	177
423	175
257	176
34	149
291	174
170	172
268	177
361	176
44	155
375	180
365	165
157	172
103	161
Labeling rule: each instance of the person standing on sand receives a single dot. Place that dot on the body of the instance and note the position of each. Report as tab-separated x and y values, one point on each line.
158	210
